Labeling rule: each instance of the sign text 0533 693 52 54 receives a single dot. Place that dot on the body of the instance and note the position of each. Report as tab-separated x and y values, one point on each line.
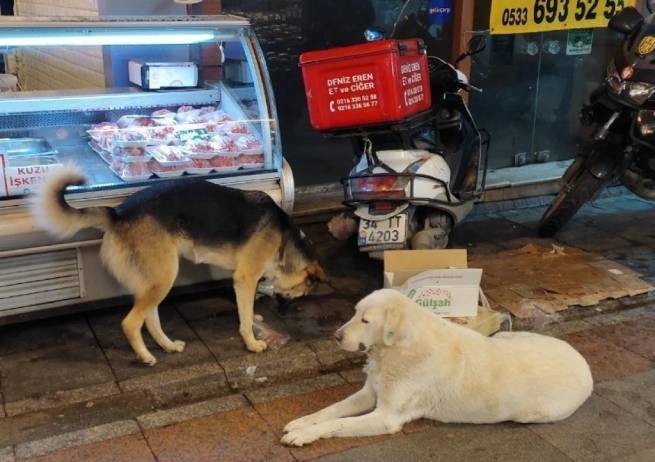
524	16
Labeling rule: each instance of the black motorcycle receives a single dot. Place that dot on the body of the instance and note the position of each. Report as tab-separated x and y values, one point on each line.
622	112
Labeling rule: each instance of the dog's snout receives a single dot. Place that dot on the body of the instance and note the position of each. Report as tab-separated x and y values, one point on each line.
338	334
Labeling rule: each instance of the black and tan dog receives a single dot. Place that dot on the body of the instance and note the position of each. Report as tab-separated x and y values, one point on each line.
245	232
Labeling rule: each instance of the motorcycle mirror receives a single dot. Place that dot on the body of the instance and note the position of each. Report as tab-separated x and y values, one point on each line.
626	21
373	34
477	44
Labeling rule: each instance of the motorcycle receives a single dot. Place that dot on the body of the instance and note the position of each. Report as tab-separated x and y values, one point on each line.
622	114
414	180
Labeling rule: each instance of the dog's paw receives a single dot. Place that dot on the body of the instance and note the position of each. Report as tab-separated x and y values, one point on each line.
149	360
302	422
298	438
176	347
256	346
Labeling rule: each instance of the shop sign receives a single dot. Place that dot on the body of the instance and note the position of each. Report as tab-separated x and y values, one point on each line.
525	16
440	11
3	179
579	42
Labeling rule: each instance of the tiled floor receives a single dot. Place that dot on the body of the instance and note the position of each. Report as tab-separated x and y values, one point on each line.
62	381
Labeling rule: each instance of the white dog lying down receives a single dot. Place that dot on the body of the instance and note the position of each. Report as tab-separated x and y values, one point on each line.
420	365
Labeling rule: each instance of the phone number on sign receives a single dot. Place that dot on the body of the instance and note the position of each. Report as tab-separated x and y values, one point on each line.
545	15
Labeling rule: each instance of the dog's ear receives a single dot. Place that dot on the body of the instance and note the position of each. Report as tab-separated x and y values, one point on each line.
316	272
393	324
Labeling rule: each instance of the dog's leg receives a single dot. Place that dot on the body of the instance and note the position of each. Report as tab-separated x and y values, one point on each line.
377	422
355	404
245	287
133	323
153	324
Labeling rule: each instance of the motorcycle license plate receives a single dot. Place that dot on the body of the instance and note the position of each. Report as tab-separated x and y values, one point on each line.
389	231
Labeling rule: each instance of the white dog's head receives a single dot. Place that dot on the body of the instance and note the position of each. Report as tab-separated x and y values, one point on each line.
380	319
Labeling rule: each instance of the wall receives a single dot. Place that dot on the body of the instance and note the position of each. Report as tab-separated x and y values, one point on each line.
59	68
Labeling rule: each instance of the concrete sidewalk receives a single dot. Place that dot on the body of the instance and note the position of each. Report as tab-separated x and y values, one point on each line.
71	388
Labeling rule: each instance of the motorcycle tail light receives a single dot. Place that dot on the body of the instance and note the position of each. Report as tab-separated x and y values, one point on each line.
384	186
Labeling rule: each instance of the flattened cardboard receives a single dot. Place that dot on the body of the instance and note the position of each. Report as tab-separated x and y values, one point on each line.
534	281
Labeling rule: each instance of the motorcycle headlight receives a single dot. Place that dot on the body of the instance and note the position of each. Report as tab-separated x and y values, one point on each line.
639	92
646	122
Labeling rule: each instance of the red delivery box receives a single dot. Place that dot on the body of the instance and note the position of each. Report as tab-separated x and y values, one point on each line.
372	83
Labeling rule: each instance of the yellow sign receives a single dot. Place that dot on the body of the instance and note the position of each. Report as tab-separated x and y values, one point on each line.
647	45
524	16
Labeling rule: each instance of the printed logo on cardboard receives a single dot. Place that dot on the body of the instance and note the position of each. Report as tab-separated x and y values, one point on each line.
431	297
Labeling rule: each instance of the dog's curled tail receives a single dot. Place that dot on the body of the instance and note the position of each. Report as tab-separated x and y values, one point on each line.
55	215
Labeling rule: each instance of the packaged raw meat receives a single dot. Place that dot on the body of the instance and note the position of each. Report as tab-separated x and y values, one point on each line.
165	171
135	121
161	135
187	114
224	145
235	129
249	144
99	132
131	154
206	149
131	171
168	155
128	137
215	116
206	110
224	164
251	161
104	155
163	113
191	133
200	166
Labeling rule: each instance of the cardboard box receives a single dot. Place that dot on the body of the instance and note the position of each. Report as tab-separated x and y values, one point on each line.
438	280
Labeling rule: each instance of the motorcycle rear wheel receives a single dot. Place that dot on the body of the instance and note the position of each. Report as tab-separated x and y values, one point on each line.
577	192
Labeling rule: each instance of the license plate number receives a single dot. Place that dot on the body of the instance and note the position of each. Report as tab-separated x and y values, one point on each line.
389	231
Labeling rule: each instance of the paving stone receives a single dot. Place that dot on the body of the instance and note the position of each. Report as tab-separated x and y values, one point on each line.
599	431
527	217
7	454
221	332
562	328
61	398
607	360
321	382
203	308
591	240
123	360
332	357
132	448
621	316
191	411
51	422
471	443
634	393
318	317
24	374
171	376
189	391
252	370
45	335
239	435
281	411
77	438
637	336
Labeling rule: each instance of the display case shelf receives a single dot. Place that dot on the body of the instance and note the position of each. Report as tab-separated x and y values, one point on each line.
102	99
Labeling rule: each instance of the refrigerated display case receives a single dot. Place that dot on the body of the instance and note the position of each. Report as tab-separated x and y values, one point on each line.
139	128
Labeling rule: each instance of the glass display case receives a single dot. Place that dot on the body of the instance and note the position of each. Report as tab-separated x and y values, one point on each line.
131	101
